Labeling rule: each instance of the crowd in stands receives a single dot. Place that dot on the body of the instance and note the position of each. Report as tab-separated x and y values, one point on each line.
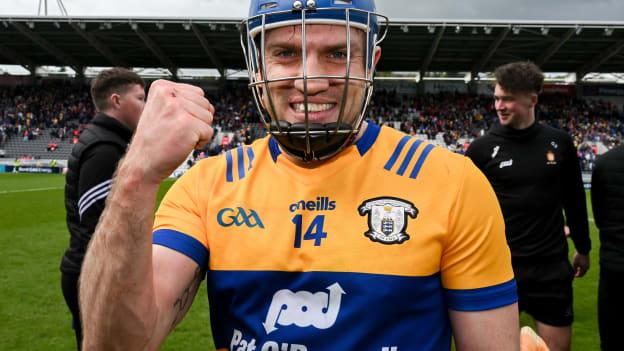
462	117
468	116
236	112
588	122
63	108
55	107
455	116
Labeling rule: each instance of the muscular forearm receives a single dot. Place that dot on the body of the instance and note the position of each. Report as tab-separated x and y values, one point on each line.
119	310
129	291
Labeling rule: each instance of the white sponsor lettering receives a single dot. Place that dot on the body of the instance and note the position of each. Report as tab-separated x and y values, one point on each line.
239	343
273	346
304	308
504	164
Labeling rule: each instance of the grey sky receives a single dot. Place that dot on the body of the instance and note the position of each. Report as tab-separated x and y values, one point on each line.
581	10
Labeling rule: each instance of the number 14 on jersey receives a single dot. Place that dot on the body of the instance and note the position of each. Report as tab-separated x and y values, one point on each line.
313	232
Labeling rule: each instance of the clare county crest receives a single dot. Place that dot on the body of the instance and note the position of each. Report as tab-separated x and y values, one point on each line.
550	158
387	219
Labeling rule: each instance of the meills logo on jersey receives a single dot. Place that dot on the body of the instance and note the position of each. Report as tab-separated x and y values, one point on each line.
322	203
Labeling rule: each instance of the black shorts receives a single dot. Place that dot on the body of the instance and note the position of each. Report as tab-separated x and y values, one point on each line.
545	291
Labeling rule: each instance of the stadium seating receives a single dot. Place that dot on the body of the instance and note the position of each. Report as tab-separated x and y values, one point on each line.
448	119
37	148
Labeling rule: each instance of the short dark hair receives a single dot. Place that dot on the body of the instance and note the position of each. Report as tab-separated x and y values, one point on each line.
520	77
112	81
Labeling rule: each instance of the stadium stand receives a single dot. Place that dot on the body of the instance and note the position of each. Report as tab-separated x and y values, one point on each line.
434	45
38	148
454	119
53	112
436	48
40	120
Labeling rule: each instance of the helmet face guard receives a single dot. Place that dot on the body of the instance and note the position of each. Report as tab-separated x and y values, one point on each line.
310	141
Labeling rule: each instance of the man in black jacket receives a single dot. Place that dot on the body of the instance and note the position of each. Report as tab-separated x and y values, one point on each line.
607	196
119	96
535	173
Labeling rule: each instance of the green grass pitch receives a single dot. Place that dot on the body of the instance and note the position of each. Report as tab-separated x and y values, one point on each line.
33	237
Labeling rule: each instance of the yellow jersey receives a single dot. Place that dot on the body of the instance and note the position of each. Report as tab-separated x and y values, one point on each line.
367	251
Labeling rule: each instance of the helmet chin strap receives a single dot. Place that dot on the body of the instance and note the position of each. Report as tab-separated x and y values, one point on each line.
325	140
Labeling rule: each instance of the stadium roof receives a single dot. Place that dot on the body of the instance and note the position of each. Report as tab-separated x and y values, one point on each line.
415	46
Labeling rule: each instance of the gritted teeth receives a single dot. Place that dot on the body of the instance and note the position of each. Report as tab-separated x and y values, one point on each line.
312	107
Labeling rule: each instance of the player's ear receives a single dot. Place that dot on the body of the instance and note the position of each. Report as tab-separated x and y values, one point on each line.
113	100
258	76
534	99
376	56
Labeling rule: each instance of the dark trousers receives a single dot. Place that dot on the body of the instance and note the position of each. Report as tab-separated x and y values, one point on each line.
610	309
69	284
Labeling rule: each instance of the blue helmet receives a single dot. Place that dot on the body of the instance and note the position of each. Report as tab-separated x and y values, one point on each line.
288	12
309	141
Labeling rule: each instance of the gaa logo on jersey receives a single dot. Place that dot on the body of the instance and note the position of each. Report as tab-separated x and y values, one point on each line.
387	219
228	217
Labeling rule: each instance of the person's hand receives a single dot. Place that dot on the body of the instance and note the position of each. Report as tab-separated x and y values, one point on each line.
580	263
530	341
176	119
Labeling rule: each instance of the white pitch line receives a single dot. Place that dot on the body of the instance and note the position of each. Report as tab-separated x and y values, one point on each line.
2	192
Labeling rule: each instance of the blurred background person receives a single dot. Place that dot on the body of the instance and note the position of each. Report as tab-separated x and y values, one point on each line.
535	173
607	196
119	96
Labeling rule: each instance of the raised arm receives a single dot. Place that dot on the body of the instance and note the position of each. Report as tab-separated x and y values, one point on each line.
132	295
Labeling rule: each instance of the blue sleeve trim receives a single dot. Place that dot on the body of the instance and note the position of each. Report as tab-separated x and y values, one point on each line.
241	162
482	299
409	156
368	139
228	158
182	243
396	153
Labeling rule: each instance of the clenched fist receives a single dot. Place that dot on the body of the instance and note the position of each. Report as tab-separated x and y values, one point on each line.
176	119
